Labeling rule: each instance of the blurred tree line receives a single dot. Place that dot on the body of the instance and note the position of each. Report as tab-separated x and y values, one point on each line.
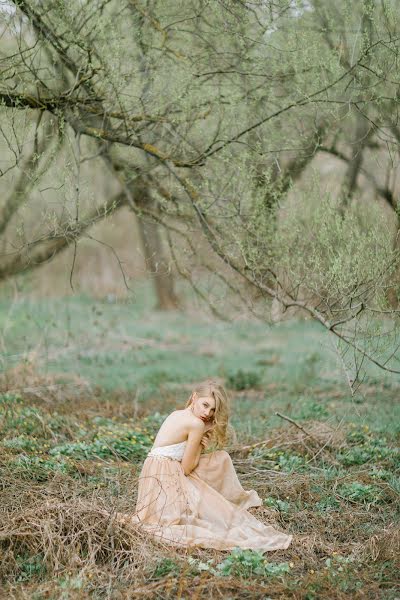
215	122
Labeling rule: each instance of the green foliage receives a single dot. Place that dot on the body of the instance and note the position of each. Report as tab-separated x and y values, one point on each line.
30	567
110	441
365	447
281	505
280	459
38	468
166	566
378	473
311	409
354	456
340	572
71	583
25	419
243	380
327	504
360	492
285	384
9	400
331	252
22	442
248	563
199	566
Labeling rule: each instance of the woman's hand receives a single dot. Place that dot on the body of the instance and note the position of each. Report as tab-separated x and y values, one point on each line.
205	441
209	425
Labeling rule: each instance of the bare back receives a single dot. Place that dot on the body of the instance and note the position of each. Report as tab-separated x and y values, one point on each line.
175	429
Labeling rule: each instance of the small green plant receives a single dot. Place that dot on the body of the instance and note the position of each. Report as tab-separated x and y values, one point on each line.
309	409
247	563
280	460
198	566
338	562
281	505
357	436
394	482
341	573
71	583
22	443
359	492
40	469
243	380
166	566
354	456
23	419
327	504
29	567
378	473
9	400
291	462
129	445
364	447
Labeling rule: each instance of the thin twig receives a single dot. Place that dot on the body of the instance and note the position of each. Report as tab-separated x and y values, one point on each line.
278	414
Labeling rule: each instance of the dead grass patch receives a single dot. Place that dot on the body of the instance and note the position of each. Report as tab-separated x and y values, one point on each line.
69	522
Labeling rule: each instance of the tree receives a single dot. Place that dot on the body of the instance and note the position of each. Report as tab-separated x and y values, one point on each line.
213	112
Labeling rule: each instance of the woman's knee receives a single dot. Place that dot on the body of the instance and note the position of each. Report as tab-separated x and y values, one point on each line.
223	454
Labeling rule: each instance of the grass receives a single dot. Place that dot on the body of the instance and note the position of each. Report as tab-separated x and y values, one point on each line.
84	387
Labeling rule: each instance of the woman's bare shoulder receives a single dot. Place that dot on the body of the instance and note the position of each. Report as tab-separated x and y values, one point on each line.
187	418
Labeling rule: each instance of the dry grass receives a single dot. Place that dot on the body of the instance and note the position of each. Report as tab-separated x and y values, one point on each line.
70	521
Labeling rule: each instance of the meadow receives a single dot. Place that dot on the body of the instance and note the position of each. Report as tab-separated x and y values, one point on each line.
84	386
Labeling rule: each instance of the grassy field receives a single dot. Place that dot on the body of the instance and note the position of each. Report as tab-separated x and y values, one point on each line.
85	385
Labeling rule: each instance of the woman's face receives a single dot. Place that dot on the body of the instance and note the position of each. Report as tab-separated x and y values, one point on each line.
203	407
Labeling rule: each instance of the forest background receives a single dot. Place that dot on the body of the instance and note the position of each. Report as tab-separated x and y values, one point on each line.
195	189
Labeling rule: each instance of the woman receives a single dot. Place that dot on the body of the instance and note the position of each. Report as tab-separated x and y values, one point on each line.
188	499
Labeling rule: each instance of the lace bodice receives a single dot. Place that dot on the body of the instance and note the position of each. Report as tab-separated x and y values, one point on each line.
175	451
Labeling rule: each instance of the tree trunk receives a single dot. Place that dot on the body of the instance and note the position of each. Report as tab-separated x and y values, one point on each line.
393	292
155	257
363	132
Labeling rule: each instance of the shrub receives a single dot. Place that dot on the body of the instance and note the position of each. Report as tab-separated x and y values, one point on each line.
243	380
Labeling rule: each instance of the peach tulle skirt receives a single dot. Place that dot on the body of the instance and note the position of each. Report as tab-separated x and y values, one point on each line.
207	508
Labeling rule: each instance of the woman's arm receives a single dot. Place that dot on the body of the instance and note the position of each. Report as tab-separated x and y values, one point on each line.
193	448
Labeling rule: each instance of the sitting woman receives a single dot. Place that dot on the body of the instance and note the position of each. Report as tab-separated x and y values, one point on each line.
186	498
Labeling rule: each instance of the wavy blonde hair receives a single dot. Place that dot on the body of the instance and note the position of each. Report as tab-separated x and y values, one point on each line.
222	430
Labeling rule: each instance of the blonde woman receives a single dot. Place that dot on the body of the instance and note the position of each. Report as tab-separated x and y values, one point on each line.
187	498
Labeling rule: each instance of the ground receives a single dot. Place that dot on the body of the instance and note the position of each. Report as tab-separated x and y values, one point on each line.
84	386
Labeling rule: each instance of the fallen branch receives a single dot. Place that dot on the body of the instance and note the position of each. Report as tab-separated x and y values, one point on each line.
250	447
278	414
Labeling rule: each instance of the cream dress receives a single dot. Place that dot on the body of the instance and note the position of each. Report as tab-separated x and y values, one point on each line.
207	508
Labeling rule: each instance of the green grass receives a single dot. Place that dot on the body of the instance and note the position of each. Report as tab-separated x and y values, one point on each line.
127	346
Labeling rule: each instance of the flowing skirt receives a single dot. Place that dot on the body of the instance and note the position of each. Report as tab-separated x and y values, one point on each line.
207	508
